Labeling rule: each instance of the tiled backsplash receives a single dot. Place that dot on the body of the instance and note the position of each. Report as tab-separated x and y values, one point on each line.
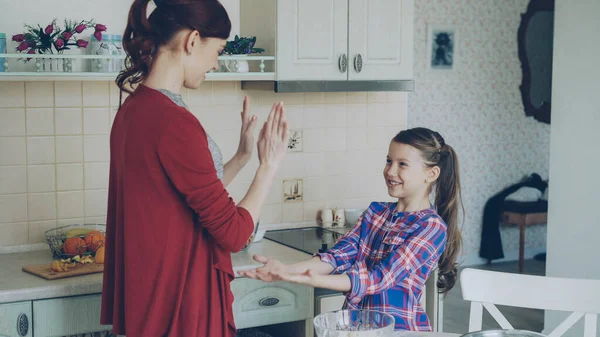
54	150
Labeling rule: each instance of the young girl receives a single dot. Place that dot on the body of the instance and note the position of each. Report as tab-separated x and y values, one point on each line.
383	262
171	226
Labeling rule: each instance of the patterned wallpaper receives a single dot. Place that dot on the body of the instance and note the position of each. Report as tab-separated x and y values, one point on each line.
477	108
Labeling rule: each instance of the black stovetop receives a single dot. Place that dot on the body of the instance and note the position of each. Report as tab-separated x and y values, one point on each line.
309	240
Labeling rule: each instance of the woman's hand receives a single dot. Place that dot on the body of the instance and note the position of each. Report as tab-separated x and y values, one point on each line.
273	138
269	272
244	151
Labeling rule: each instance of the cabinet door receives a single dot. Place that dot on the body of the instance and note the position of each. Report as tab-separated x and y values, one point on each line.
312	36
381	34
15	319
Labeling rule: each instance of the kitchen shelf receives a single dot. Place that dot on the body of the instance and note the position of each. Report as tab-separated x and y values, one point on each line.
8	76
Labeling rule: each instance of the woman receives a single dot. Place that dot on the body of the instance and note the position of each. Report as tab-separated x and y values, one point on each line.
171	225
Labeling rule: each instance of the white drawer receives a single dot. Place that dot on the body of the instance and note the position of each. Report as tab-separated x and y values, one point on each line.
258	303
15	319
67	316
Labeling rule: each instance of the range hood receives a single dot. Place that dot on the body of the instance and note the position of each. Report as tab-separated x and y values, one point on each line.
330	86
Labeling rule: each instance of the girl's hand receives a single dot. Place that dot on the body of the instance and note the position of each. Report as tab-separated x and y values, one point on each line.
273	138
244	151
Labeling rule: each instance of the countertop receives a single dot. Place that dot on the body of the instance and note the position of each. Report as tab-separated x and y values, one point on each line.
17	285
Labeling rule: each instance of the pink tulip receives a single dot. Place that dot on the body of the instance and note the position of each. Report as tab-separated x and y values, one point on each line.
98	35
80	28
24	45
100	28
82	43
67	35
49	29
59	43
18	38
31	51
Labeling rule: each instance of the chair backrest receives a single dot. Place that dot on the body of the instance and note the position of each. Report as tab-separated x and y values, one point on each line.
487	288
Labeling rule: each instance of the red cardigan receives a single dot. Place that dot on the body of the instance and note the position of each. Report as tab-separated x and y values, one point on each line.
171	226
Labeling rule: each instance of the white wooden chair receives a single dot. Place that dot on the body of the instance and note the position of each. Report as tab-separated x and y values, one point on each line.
487	288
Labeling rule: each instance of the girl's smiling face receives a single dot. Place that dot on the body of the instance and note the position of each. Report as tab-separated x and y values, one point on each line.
405	172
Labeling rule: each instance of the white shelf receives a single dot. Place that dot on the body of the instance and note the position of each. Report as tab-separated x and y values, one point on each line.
31	76
88	76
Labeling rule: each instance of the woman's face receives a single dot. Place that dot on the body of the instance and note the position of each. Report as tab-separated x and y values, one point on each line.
202	56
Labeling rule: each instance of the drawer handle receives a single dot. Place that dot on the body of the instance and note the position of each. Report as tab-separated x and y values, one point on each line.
22	325
268	302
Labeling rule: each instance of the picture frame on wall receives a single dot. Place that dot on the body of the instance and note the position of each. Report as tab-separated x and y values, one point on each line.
442	48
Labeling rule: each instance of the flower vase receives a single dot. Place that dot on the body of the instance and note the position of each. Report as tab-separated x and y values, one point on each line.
242	66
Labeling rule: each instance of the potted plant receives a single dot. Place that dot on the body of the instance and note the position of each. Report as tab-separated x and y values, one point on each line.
240	46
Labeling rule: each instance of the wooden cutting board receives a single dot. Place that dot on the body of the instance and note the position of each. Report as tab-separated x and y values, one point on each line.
44	271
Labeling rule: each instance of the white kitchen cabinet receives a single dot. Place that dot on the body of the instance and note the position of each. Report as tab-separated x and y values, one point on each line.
380	43
312	39
15	319
334	40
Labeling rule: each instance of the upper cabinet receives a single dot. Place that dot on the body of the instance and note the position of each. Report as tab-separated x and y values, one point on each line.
336	40
380	39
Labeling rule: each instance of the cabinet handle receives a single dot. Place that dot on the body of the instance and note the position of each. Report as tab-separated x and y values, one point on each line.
22	325
268	302
358	63
343	63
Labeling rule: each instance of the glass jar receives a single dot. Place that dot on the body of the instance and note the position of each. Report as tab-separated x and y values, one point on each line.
116	48
2	50
100	48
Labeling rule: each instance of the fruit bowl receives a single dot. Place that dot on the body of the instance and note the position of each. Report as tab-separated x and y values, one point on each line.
355	323
56	238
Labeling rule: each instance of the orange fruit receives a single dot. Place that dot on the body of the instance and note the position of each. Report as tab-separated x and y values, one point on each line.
94	240
74	246
100	255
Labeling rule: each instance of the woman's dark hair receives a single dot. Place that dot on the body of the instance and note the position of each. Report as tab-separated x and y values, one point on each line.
448	199
145	34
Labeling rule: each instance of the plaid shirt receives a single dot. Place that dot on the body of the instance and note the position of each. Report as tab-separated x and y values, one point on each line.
388	256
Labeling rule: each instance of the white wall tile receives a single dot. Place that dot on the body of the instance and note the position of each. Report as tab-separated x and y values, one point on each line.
357	139
114	95
334	140
313	189
69	121
96	94
377	114
67	222
356	97
70	204
13	179
40	150
14	234
96	148
377	138
14	150
96	175
292	212
69	177
335	97
356	115
12	94
314	98
312	209
67	94
336	163
312	139
39	94
96	121
12	122
270	214
288	98
40	121
96	220
274	196
377	97
227	93
314	116
40	178
13	208
294	115
314	164
41	206
37	230
96	202
397	97
69	149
